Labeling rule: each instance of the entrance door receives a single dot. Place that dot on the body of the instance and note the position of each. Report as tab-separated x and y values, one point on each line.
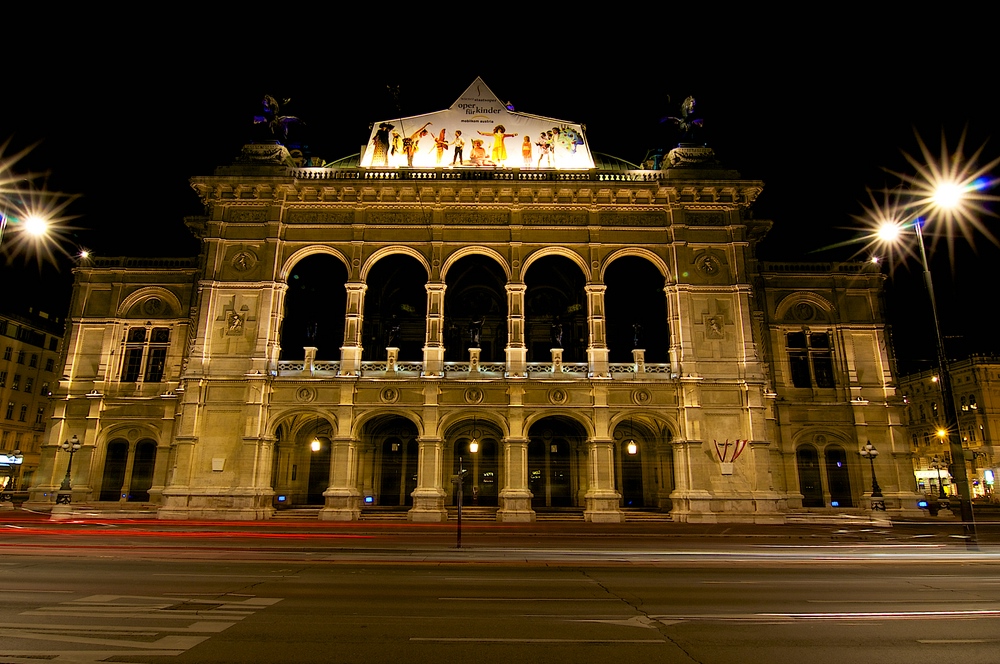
810	483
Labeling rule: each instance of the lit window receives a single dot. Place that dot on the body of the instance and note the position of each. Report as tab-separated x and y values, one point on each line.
972	402
3	379
29	384
40	414
16	383
145	354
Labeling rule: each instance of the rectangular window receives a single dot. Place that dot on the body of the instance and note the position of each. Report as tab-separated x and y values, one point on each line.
10	410
33	362
20	357
3	379
49	364
40	415
29	384
145	348
810	359
16	383
23	414
53	344
7	353
45	390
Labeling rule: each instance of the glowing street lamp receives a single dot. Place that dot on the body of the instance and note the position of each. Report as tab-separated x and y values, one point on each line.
869	452
937	464
949	192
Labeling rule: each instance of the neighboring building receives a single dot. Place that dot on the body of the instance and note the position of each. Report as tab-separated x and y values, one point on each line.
976	390
602	332
30	366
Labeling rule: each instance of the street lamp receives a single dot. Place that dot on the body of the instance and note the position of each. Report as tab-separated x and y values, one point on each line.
65	495
869	452
937	464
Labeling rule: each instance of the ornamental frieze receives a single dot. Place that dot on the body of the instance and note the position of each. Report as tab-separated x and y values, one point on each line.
246	215
628	219
471	217
393	218
705	218
340	217
554	219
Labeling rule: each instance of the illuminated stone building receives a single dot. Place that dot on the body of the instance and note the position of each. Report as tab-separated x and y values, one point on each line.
29	368
976	387
602	332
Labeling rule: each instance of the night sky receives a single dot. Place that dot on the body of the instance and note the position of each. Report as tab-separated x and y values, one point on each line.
125	118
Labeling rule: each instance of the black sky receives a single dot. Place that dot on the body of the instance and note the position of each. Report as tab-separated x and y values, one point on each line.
818	112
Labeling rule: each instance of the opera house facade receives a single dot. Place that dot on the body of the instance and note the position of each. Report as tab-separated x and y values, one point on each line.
477	293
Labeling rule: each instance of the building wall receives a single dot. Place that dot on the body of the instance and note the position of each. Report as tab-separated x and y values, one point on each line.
29	365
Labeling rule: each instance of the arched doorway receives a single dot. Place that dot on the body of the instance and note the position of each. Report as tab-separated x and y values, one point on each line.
482	478
629	444
838	477
810	482
553	447
301	466
115	463
125	478
396	453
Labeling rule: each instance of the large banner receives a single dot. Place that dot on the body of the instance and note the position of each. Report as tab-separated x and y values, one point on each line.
478	131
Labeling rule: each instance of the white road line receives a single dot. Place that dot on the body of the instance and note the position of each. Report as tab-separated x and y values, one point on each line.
528	599
232	576
952	641
198	627
492	640
163	643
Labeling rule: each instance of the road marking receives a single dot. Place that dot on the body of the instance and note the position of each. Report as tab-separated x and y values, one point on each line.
951	641
492	640
528	599
233	576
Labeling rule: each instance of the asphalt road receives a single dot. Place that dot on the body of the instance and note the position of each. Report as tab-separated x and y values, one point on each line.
132	592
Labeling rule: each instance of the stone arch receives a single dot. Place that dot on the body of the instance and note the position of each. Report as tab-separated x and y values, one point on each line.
575	257
366	418
311	250
140	304
125	462
584	422
462	252
378	254
458	418
816	308
640	252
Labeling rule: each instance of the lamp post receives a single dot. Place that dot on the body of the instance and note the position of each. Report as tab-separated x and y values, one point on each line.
937	464
65	495
946	199
869	452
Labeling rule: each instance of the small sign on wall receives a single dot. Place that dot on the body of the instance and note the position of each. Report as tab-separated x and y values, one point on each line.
218	464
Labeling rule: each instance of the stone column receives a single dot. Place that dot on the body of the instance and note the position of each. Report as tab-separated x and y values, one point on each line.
342	498
597	348
428	497
515	498
434	338
517	352
689	504
601	499
350	352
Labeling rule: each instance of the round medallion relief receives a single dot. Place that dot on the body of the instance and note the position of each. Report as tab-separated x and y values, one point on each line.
389	395
474	395
153	306
558	396
641	397
243	261
305	394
